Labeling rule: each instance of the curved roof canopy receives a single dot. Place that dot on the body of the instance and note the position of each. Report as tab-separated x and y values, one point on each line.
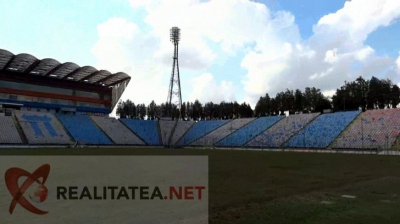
30	65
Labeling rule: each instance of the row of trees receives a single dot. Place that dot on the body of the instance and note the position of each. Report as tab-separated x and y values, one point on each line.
367	95
190	110
358	94
292	101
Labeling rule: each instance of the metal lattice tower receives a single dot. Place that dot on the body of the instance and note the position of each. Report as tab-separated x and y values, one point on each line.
174	99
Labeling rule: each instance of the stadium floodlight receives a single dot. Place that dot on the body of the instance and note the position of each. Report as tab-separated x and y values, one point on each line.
174	90
175	34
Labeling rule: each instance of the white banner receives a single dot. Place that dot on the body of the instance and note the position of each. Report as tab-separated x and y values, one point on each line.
104	189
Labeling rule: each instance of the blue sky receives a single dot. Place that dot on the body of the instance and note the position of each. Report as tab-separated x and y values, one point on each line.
232	49
64	30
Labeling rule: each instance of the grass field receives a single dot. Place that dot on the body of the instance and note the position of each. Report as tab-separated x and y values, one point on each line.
285	187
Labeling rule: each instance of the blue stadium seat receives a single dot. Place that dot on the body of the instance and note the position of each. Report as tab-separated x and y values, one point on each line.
200	129
275	136
42	128
44	118
323	131
36	128
248	132
83	129
145	129
50	129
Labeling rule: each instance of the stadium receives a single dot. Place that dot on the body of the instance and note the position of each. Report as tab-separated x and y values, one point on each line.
324	166
45	102
47	105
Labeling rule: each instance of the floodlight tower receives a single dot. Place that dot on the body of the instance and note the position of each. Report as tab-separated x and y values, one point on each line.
174	90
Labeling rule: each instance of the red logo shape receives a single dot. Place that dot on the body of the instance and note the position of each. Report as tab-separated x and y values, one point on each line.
11	178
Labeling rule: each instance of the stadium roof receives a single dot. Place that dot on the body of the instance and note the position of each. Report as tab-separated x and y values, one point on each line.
48	67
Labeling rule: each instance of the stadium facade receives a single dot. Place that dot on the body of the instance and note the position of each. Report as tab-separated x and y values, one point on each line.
27	83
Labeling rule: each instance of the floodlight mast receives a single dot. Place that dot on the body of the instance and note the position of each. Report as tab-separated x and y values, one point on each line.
174	90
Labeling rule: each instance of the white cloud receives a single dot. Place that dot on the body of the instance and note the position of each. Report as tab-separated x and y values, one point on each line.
329	93
277	59
337	43
398	64
206	89
194	57
225	21
123	47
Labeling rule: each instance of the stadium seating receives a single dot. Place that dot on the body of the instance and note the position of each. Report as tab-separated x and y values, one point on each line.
166	128
221	132
8	131
181	128
200	129
248	132
377	129
279	133
42	128
82	129
118	132
322	131
146	130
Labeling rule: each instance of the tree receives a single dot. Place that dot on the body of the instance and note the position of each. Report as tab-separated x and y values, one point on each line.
373	93
307	95
289	101
360	92
126	109
395	96
236	107
322	104
298	101
344	98
120	110
151	110
260	108
384	94
141	111
274	107
263	106
197	110
183	111
245	110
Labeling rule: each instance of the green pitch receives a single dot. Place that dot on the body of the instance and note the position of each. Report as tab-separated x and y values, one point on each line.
282	187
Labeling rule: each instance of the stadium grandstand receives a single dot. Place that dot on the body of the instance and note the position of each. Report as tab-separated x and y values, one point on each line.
48	102
275	136
45	102
377	129
221	132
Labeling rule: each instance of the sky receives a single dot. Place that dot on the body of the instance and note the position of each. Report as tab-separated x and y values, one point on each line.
232	50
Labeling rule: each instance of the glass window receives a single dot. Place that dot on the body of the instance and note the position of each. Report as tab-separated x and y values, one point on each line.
107	97
47	89
4	96
13	97
87	94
